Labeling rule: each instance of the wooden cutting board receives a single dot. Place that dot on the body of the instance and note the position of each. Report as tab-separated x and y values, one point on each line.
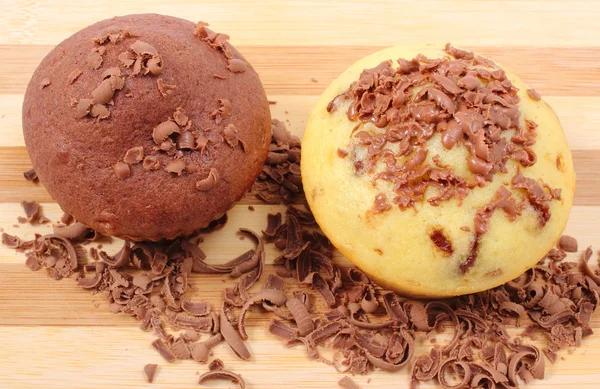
54	335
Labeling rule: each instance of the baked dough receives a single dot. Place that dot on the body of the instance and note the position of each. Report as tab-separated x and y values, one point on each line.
407	248
146	127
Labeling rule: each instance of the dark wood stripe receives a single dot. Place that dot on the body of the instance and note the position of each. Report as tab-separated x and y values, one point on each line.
289	69
14	161
34	299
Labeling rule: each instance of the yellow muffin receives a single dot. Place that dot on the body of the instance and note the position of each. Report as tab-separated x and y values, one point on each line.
436	172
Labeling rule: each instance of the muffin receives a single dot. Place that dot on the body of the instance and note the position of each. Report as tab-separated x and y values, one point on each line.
436	171
146	127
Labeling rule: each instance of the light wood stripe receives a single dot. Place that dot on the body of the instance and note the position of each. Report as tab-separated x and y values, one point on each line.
289	69
299	23
14	161
65	357
580	117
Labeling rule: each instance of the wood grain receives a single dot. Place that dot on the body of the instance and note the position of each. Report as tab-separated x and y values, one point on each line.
531	23
15	160
101	357
225	244
55	335
289	69
579	115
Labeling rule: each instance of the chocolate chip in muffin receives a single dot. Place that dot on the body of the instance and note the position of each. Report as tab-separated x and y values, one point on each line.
440	241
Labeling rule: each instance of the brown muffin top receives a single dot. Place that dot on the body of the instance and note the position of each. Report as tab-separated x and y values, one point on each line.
146	126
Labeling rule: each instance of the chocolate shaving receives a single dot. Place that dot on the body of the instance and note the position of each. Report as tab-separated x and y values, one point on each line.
164	350
347	383
196	308
134	155
176	166
273	224
209	182
468	105
215	40
527	362
568	243
280	179
94	58
224	111
99	111
73	76
222	374
32	212
45	82
394	308
120	259
150	371
164	130
151	162
30	175
236	65
121	170
186	141
164	88
399	352
200	351
273	296
425	367
453	365
301	316
216	364
584	262
11	241
231	336
84	107
74	232
533	94
282	330
230	135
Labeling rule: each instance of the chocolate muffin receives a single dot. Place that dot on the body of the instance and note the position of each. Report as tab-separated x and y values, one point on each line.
146	127
437	172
